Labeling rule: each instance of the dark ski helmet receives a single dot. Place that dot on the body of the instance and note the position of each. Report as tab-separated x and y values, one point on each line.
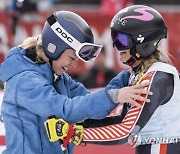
67	30
138	28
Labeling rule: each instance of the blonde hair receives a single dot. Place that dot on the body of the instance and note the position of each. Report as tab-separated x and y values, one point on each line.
36	43
157	56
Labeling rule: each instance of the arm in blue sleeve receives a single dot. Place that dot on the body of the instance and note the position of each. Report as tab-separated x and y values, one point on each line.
76	88
120	81
93	123
41	98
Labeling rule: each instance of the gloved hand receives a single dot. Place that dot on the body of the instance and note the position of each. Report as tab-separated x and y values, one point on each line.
58	129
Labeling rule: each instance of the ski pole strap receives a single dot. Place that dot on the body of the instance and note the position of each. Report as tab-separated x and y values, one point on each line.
69	136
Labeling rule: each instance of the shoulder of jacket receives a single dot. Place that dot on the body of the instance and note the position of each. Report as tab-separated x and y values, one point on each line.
163	67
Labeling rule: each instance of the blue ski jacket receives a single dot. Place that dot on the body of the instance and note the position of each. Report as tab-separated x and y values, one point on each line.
31	96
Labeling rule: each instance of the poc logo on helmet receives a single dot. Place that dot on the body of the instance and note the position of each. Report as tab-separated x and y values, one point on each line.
64	35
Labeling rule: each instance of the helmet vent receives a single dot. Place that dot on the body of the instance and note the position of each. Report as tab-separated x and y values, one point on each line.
51	48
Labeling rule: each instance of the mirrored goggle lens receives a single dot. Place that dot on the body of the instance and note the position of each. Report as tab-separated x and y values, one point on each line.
121	41
88	52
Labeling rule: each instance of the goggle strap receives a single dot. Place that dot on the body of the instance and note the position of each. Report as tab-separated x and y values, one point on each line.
157	35
62	33
160	33
51	19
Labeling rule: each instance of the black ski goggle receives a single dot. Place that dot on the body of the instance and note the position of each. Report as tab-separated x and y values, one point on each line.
121	41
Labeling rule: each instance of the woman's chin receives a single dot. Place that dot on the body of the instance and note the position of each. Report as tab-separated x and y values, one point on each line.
123	60
59	72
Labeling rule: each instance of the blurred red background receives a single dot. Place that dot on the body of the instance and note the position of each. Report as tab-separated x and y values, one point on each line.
32	25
